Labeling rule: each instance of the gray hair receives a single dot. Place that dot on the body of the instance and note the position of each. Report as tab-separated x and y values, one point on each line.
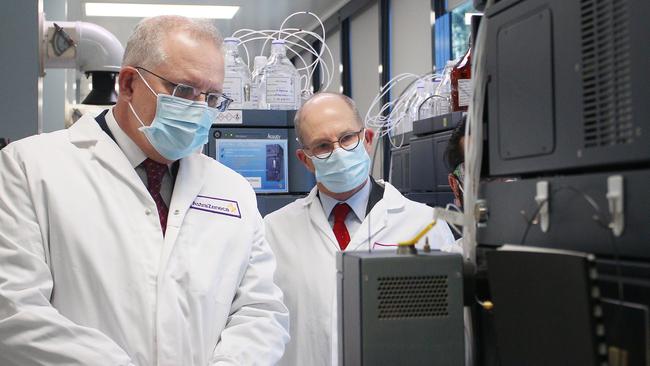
145	46
297	119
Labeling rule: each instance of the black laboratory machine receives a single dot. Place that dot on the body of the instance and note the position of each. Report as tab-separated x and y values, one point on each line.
403	308
565	170
260	145
418	168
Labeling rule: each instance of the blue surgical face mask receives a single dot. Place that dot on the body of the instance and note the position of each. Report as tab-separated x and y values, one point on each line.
180	126
344	170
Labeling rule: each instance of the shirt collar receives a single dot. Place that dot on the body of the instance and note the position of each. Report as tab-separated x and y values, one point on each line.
358	202
129	148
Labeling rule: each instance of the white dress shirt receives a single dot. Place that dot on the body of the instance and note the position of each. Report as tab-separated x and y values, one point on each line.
136	157
358	203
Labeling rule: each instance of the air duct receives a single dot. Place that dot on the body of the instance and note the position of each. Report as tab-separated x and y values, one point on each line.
89	48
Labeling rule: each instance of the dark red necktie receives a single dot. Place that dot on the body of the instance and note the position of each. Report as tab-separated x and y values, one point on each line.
155	173
341	211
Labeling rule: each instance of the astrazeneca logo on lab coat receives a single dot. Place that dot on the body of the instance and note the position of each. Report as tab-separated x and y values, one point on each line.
216	205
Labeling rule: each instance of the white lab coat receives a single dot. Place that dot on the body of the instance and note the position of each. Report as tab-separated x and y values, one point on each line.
306	248
86	277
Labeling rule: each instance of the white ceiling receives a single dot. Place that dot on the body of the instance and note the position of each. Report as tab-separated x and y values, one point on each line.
255	14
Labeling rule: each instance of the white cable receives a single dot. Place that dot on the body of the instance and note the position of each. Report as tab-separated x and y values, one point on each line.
319	55
248	59
474	147
321	39
268	34
383	91
310	70
296	41
398	110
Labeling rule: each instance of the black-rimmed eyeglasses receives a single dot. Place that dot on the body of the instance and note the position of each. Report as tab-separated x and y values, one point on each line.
324	149
218	101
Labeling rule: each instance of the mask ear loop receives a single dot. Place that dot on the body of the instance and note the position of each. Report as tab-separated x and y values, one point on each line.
459	182
136	115
146	83
131	105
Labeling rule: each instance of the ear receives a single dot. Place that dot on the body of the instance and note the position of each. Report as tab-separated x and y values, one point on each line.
453	183
127	77
305	160
369	137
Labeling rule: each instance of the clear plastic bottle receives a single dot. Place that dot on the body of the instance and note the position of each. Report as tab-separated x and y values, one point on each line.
423	107
237	80
442	105
280	82
256	80
427	105
418	98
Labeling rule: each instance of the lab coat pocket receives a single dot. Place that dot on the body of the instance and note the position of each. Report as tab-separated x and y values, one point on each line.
219	277
226	289
216	248
217	280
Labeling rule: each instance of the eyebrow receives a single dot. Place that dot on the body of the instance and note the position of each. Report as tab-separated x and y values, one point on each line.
341	135
189	83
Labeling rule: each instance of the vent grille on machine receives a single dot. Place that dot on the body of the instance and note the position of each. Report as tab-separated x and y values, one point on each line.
412	297
606	74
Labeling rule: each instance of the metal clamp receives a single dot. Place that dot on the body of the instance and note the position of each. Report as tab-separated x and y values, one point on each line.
542	197
481	213
615	195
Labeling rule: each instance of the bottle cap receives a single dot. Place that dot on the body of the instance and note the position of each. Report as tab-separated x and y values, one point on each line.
260	61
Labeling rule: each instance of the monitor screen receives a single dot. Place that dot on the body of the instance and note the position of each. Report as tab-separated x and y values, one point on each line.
258	154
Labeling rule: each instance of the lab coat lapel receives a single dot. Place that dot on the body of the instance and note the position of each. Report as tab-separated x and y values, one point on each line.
377	219
374	222
189	181
86	134
319	220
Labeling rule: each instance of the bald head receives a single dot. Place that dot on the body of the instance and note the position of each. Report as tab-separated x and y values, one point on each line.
323	107
322	121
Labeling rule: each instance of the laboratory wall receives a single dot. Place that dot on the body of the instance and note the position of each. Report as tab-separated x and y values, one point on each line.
364	67
410	39
54	81
20	95
364	57
333	41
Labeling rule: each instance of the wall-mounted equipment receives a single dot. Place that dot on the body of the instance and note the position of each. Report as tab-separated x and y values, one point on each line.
260	145
31	45
88	48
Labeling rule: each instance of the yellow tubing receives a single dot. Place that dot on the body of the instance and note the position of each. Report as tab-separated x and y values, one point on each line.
418	236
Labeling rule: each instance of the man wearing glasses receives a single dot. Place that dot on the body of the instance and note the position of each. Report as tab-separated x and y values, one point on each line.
121	244
347	210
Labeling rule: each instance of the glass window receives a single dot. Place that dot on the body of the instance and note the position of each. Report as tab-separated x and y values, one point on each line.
461	28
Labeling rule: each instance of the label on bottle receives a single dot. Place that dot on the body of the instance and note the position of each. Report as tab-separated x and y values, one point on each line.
280	90
464	92
255	94
232	87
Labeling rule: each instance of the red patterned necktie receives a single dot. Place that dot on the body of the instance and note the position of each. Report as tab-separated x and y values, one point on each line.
341	211
155	173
